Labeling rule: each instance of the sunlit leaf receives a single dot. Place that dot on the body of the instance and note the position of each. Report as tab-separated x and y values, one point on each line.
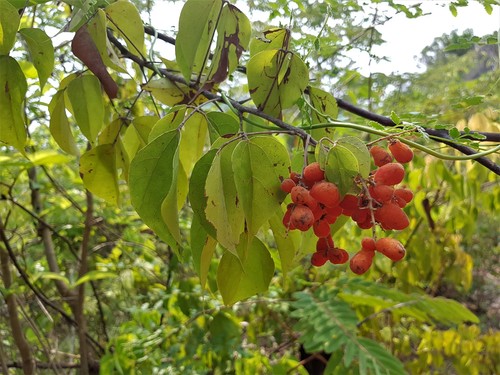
98	171
168	92
246	275
271	39
93	276
13	90
48	157
326	109
125	19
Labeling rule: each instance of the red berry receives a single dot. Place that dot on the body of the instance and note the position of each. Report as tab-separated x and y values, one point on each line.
349	204
381	193
295	177
318	259
321	228
313	173
299	195
302	217
361	262
389	174
338	256
391	248
326	193
380	156
368	243
401	152
287	185
405	194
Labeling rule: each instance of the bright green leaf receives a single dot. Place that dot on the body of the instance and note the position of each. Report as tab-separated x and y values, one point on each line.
87	104
12	94
93	276
244	276
48	157
98	171
41	52
271	39
258	164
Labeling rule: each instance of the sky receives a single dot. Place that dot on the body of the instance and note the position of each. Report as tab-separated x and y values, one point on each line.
405	38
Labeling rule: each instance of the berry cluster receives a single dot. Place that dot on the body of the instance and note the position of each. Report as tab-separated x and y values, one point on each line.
317	203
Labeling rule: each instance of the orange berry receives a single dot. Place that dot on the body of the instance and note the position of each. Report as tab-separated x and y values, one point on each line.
391	248
401	152
302	217
313	173
299	195
368	243
361	262
391	216
389	174
380	156
287	185
326	193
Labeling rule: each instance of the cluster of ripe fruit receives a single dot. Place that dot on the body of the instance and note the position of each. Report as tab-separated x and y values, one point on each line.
317	203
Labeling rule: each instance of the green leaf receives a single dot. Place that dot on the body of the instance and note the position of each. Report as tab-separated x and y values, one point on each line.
197	196
221	124
271	39
197	25
202	248
171	121
98	171
93	276
49	276
287	242
153	181
454	133
244	276
360	151
59	125
224	209
86	100
341	168
325	105
395	118
41	52
9	23
125	19
258	164
193	140
13	90
276	80
233	36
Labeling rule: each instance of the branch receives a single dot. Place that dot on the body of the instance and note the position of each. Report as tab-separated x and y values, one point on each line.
28	364
439	135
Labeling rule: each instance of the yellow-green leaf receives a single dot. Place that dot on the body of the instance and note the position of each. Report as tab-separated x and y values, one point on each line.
125	19
325	109
48	157
246	275
59	125
12	94
168	92
224	209
258	163
9	23
41	52
98	171
271	39
87	105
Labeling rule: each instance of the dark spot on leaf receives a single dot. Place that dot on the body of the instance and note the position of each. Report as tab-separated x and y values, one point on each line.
236	201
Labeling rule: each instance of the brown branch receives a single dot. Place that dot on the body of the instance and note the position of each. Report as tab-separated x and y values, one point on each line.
27	364
80	301
439	135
